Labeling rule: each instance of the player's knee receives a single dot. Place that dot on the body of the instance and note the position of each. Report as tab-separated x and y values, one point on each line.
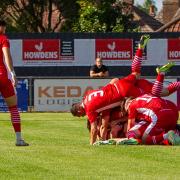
11	101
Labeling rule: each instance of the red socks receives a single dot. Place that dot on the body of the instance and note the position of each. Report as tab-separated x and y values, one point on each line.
15	118
158	85
136	64
173	87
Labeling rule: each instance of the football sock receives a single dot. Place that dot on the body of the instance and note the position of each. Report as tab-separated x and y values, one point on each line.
136	64
158	85
15	119
173	87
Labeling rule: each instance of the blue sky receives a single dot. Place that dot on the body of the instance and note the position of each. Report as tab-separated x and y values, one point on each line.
158	3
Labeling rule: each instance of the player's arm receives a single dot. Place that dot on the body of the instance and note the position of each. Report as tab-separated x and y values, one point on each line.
131	123
131	116
104	126
9	63
93	133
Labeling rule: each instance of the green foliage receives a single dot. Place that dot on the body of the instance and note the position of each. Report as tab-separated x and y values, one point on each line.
75	16
37	15
146	6
106	16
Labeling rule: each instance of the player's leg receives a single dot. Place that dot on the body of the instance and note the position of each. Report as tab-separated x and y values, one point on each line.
137	130
173	87
104	126
158	85
8	92
134	134
156	132
137	61
155	136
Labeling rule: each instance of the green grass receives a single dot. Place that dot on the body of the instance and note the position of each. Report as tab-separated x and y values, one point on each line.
59	149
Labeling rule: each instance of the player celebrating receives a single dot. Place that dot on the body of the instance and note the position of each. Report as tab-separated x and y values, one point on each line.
157	117
7	86
109	96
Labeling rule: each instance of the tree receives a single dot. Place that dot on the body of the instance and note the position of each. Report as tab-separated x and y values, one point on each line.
39	15
103	16
146	6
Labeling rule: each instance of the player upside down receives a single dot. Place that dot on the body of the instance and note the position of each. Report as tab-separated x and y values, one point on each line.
151	119
157	117
109	96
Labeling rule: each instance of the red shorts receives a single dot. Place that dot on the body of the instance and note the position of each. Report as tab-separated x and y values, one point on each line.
144	85
127	86
6	88
166	120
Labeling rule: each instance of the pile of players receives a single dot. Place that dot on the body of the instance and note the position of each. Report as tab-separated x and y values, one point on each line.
130	110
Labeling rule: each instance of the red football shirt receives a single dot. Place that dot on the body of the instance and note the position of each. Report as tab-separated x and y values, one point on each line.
150	108
4	42
96	101
109	96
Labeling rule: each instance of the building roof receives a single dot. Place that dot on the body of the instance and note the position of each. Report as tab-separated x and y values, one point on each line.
159	16
177	14
146	22
173	25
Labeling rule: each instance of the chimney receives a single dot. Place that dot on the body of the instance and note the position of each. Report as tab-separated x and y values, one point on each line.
152	10
130	2
170	8
127	9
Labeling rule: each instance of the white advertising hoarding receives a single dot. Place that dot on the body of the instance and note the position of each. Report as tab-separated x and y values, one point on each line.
82	52
60	94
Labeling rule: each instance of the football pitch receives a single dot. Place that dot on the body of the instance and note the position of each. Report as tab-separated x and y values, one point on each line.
59	149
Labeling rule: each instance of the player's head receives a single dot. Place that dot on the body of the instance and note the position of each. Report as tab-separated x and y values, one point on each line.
124	104
2	26
99	62
127	103
77	110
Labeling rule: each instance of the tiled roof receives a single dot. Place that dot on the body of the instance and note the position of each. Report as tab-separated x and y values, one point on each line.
159	16
177	14
173	25
146	21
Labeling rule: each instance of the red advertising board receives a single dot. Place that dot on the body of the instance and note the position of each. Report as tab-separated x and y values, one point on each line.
114	49
174	49
40	49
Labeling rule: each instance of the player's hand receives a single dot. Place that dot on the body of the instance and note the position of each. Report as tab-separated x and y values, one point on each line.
14	80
